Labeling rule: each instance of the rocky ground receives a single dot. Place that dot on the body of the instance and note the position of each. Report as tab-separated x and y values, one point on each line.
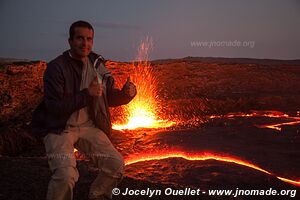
191	89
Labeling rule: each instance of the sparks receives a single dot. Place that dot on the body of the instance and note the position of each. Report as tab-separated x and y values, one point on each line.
142	111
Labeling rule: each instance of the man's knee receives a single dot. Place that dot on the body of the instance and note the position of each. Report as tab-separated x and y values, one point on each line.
68	175
120	164
114	166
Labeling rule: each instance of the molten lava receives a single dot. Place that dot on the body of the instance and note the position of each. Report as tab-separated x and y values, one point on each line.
277	126
142	111
271	114
200	157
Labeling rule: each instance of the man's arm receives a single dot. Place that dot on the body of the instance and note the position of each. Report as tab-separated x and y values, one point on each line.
116	97
55	101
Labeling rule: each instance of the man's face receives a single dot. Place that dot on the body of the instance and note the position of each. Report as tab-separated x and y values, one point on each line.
82	42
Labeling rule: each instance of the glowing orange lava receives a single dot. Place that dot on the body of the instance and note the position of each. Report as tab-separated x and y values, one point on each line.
271	114
200	157
277	126
142	111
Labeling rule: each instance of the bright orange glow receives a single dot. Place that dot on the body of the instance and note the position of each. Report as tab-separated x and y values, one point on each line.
296	183
142	111
277	126
271	127
200	157
271	114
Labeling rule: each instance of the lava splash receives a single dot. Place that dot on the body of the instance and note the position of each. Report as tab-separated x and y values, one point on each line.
143	110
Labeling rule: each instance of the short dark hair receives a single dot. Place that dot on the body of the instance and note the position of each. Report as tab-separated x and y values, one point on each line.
79	24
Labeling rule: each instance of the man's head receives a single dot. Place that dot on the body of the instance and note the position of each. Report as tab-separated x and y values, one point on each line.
81	35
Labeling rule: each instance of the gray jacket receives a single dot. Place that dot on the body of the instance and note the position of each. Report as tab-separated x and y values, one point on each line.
62	95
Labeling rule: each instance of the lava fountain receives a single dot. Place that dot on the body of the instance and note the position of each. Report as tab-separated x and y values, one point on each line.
143	111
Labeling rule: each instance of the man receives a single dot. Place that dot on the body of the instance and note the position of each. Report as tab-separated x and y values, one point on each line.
78	89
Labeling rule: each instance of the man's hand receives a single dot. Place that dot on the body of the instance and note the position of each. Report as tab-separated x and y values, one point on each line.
95	88
129	88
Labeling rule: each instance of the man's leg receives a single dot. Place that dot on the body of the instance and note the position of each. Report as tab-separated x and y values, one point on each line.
62	163
95	144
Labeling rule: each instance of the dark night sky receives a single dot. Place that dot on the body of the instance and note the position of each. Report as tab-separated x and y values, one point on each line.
38	29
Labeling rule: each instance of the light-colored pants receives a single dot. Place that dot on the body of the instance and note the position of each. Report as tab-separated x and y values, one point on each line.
93	143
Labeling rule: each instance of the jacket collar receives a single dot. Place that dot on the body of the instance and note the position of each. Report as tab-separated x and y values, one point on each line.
92	56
